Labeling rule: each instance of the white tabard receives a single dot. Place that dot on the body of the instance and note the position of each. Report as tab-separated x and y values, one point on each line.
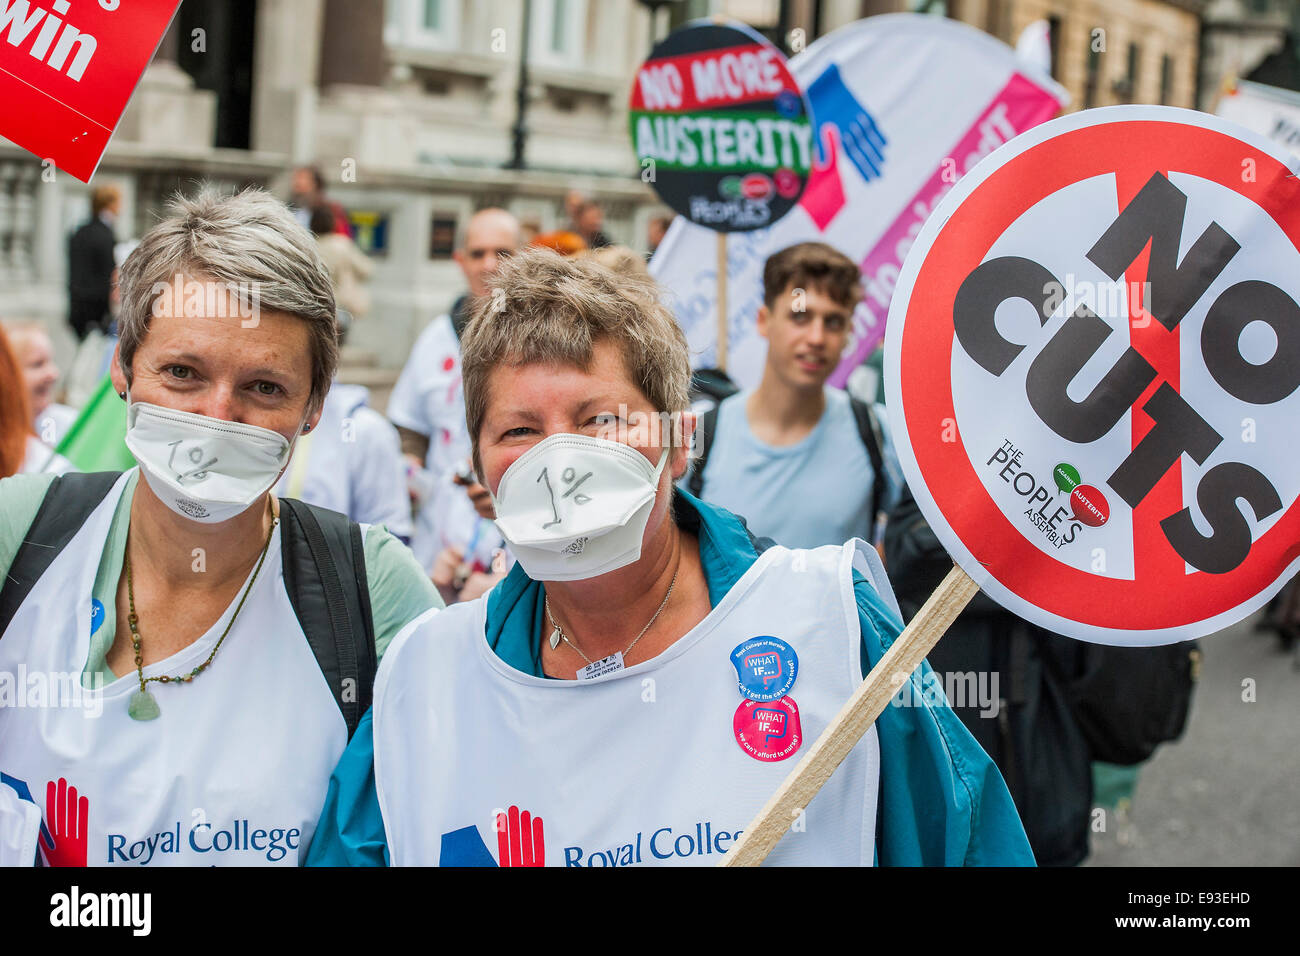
234	770
477	763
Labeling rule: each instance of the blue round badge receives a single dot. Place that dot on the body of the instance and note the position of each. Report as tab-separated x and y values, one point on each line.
96	615
766	668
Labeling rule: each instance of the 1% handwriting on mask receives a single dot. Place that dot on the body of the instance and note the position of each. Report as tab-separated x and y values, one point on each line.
568	477
195	455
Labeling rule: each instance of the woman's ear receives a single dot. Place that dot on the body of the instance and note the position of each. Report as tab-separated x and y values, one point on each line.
116	372
683	451
313	419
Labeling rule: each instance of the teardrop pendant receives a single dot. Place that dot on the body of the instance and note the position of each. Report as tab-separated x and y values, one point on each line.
555	638
142	706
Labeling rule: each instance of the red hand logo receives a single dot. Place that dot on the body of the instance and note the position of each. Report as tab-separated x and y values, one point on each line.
520	841
67	816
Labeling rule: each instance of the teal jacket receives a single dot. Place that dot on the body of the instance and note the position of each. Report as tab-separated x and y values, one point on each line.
942	800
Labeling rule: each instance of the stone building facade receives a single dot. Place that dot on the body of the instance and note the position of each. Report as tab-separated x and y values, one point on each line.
1104	52
408	108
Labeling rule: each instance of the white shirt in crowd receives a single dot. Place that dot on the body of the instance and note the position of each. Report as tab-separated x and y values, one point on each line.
53	423
351	462
428	399
814	492
42	459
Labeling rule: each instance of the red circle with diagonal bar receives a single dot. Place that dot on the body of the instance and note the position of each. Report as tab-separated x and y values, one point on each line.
1159	597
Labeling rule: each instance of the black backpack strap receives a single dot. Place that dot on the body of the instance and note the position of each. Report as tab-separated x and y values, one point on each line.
325	576
708	424
872	440
69	501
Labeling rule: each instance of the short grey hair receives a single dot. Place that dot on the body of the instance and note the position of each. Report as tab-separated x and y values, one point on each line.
248	240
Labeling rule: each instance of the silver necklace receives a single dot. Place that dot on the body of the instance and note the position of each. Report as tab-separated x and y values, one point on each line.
558	634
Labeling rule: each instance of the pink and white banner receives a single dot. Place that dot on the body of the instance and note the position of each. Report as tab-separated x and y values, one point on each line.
903	106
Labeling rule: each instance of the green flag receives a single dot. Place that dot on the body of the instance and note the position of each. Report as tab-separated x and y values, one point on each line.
96	440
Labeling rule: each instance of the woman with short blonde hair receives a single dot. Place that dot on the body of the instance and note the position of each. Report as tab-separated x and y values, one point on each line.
218	643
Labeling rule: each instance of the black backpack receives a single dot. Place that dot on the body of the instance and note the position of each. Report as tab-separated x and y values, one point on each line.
868	430
1126	701
324	574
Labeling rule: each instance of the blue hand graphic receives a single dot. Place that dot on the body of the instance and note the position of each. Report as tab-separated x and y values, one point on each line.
25	792
833	104
465	847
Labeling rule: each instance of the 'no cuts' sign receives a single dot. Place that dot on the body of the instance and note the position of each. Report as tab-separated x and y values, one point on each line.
1093	370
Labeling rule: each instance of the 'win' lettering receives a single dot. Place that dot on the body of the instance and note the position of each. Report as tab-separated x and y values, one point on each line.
18	20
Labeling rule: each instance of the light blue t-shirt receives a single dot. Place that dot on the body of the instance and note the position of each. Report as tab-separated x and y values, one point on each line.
814	492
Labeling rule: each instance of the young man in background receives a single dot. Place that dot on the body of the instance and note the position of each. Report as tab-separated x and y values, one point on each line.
801	461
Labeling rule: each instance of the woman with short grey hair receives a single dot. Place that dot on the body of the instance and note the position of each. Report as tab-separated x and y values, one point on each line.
214	645
644	678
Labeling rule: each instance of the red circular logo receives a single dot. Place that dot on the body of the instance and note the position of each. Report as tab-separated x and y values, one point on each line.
768	730
1089	506
756	186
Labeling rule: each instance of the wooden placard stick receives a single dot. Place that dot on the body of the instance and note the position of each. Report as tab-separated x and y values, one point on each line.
722	301
853	720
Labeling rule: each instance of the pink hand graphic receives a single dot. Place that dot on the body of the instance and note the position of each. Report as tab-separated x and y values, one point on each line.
67	818
520	841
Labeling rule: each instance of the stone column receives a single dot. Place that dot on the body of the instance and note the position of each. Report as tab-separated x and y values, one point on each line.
286	67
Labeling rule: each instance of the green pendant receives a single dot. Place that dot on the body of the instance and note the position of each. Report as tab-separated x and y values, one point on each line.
142	706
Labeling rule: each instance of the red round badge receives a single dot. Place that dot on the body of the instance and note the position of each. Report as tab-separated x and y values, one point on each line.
1089	506
768	730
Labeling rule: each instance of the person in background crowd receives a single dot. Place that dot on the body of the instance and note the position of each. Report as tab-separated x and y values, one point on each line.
590	224
307	192
656	229
428	407
225	635
349	267
352	463
91	263
15	412
21	452
620	259
31	344
803	462
477	706
1282	616
574	200
562	241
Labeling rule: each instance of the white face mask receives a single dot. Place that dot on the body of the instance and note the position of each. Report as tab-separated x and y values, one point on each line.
206	469
574	507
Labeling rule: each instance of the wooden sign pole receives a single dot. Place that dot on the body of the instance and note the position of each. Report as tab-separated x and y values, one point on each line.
722	301
853	720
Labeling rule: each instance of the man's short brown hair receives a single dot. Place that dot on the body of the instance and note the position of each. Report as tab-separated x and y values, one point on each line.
102	197
812	265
